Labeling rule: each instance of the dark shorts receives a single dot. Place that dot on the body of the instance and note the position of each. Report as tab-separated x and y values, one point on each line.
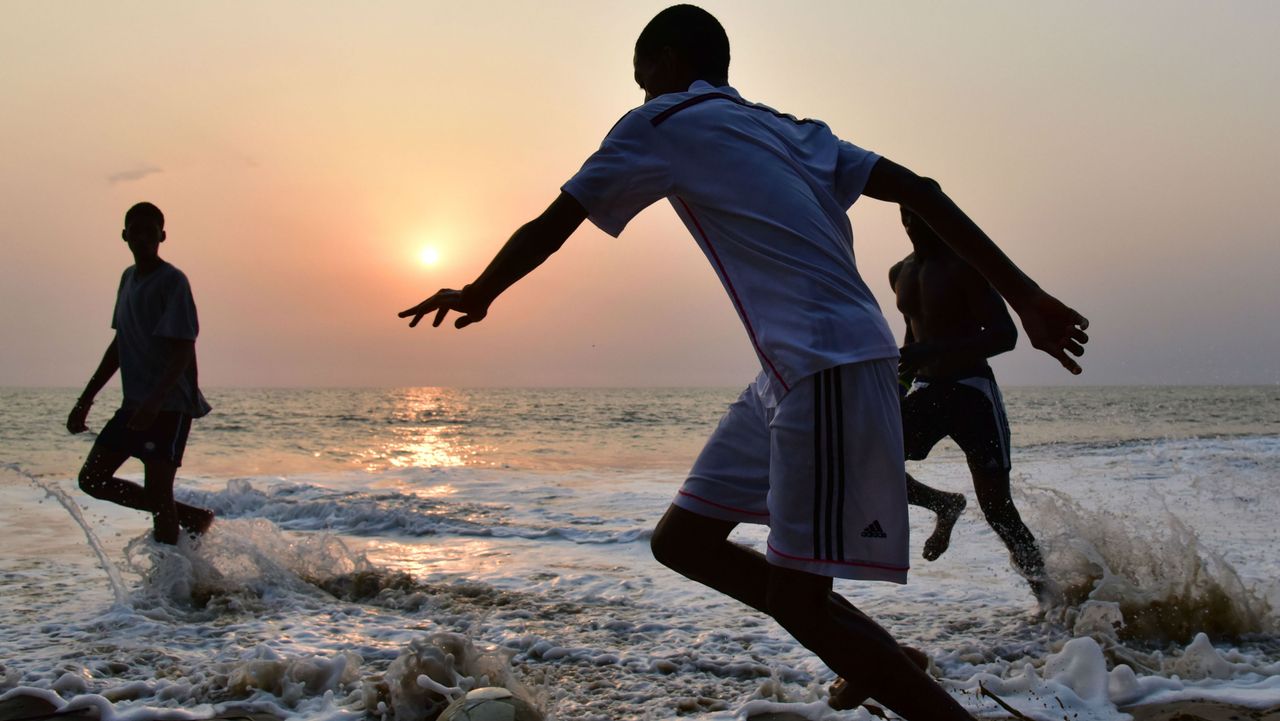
969	410
165	440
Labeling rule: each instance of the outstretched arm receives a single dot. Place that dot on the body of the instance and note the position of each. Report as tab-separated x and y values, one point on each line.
528	247
1051	326
107	367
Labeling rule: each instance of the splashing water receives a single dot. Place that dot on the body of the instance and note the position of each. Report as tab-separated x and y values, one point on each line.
113	574
245	569
242	564
1145	584
323	572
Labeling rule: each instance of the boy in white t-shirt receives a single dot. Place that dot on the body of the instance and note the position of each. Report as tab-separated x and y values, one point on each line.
813	447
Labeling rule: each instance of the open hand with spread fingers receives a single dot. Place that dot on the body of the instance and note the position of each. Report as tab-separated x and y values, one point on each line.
463	301
1054	328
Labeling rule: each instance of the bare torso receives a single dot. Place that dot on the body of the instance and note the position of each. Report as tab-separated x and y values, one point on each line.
947	304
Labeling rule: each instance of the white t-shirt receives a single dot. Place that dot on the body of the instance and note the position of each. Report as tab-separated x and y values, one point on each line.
765	196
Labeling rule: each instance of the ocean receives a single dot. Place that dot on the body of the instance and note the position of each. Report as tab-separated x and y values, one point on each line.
379	551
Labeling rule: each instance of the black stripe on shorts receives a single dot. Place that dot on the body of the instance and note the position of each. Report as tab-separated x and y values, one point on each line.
828	466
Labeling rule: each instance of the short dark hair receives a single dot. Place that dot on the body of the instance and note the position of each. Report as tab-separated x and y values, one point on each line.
144	211
692	32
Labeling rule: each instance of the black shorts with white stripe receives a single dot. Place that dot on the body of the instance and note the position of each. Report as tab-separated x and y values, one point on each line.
165	440
968	410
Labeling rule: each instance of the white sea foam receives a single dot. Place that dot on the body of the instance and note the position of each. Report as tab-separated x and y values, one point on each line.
346	593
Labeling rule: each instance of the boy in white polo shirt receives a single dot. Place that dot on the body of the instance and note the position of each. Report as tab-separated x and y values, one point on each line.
813	447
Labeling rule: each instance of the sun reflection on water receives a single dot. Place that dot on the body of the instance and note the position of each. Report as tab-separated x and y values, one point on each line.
457	556
428	432
425	448
437	491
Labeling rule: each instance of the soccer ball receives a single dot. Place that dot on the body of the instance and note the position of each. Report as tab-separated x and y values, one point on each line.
490	704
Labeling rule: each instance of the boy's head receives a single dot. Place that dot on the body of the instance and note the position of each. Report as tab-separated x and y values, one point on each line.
143	227
681	44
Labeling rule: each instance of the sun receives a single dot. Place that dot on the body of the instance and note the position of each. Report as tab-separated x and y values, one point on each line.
429	255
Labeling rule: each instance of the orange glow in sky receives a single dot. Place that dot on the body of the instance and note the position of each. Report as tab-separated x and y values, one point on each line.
1124	154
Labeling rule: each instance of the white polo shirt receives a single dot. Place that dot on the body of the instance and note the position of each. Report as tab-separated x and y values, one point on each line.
765	196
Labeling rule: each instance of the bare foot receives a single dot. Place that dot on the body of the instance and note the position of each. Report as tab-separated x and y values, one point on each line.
940	540
918	657
198	528
842	695
1048	594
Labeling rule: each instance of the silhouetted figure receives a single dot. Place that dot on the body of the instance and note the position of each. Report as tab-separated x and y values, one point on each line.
154	349
813	446
955	322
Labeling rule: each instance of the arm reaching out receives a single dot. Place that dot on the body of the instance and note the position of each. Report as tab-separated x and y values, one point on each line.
1050	325
528	247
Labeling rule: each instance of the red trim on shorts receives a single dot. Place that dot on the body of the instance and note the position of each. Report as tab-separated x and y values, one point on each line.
700	499
838	563
751	333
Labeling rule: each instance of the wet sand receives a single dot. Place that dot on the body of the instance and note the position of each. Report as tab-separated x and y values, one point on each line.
29	707
1200	711
1178	711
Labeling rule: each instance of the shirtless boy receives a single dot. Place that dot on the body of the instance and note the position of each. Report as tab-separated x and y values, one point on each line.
154	348
813	447
955	322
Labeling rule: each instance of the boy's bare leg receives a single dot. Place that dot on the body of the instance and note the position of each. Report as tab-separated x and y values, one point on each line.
698	548
996	501
159	488
855	647
97	478
843	695
947	506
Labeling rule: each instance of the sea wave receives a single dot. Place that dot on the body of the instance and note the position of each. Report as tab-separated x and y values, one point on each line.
308	507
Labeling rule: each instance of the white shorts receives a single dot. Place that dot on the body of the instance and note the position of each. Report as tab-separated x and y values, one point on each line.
824	470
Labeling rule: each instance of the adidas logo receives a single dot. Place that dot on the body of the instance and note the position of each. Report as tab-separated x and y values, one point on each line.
874	531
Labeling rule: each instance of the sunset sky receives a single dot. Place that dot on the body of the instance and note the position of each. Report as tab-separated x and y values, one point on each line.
309	154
